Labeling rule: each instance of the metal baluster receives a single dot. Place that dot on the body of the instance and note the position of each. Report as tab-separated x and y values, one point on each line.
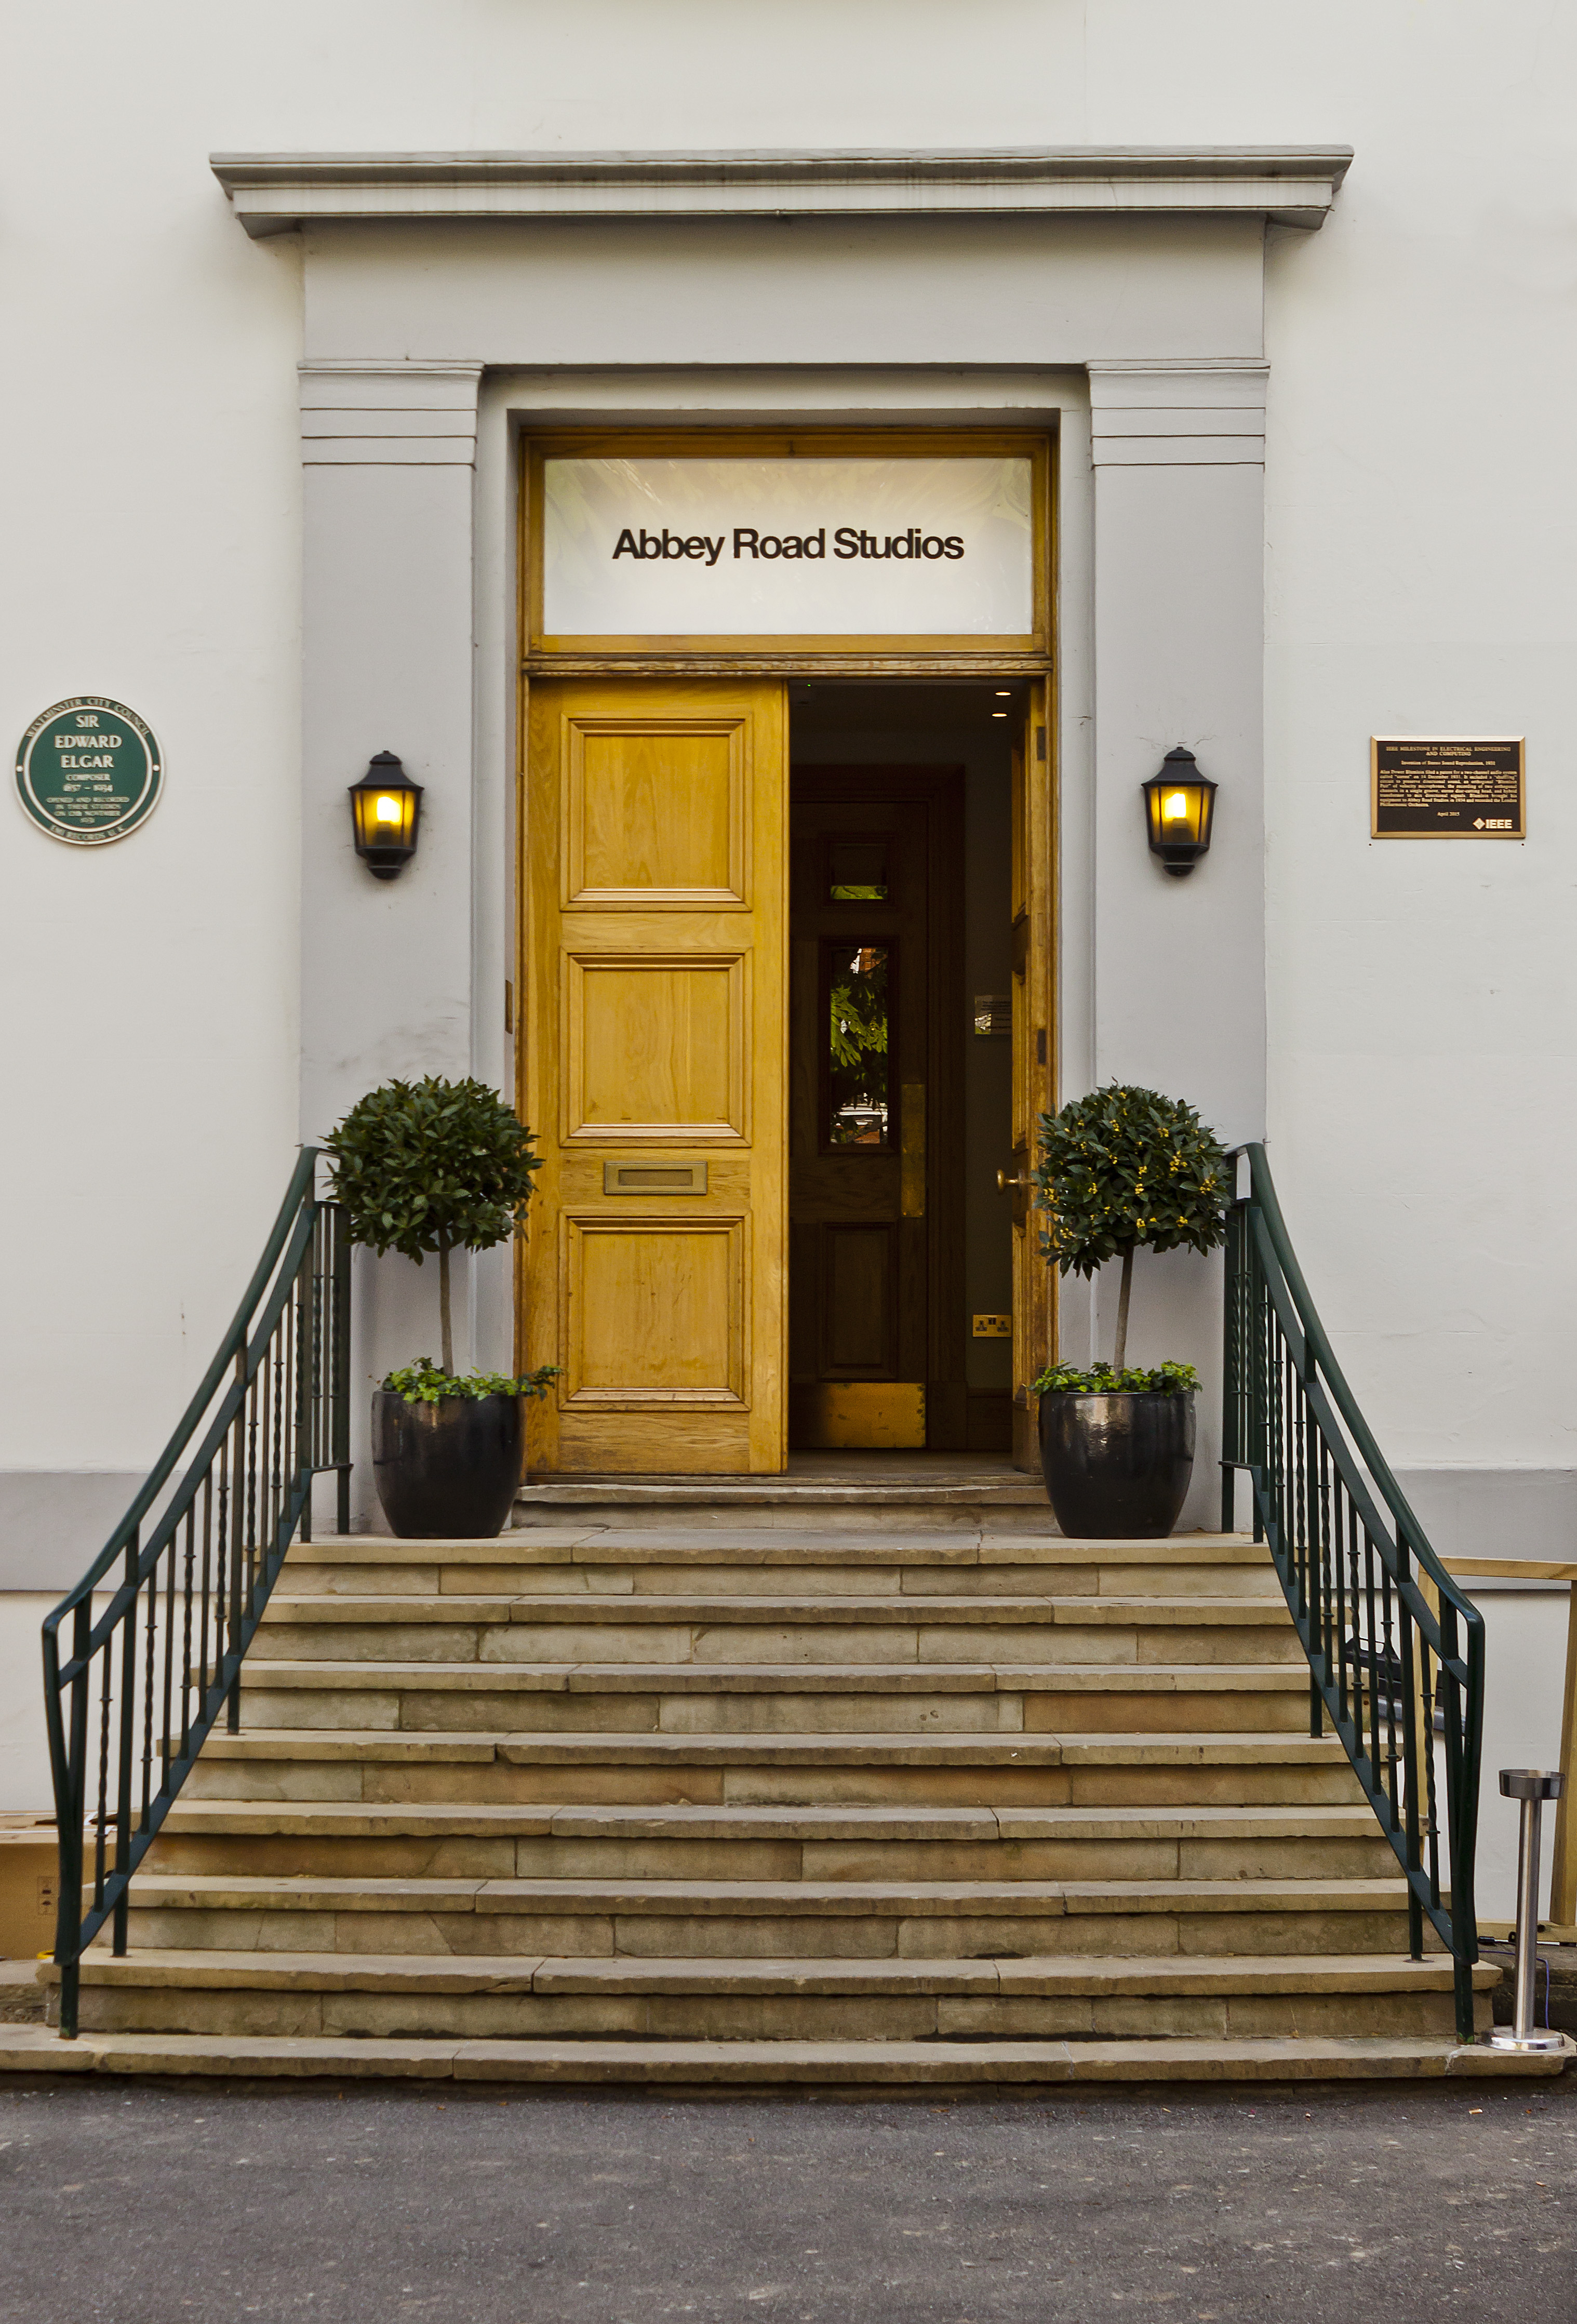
1260	1445
280	1377
1338	1519
1352	1689
171	1561
1318	1505
1407	1643
1232	1438
70	1816
233	1578
152	1628
255	1401
186	1622
1367	1648
123	1816
221	1596
1430	1803
1388	1648
342	1370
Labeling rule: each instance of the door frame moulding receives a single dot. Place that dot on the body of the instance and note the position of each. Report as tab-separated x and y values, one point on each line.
1289	185
918	660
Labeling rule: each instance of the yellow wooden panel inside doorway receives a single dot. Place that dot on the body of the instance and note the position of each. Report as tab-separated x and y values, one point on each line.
862	1416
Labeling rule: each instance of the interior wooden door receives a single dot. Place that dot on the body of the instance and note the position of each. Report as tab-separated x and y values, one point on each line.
1034	877
652	1068
876	1012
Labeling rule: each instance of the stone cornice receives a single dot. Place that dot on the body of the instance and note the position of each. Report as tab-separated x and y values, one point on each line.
1292	185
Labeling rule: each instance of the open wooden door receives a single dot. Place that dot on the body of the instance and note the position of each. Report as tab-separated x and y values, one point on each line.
875	1169
653	1070
1034	1077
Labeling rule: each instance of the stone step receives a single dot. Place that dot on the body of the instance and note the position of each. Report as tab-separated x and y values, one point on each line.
386	1767
964	1493
1082	1997
689	1630
798	1697
705	2067
663	1563
858	1918
768	1843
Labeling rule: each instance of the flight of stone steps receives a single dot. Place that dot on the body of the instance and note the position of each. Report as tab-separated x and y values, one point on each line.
866	1795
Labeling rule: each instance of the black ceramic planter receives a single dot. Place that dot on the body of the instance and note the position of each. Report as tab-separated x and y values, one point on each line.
448	1470
1117	1467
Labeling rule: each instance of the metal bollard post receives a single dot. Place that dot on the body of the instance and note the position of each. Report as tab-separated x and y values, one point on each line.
1532	1786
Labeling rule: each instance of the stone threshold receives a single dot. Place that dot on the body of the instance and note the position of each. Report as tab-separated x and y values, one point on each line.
708	2067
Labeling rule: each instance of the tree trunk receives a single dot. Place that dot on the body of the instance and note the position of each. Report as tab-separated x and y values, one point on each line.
1121	1309
444	1326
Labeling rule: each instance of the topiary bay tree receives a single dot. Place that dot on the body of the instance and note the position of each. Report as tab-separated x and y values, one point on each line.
1127	1169
432	1166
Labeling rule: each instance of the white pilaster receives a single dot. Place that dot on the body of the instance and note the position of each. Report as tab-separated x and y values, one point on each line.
1179	450
388	455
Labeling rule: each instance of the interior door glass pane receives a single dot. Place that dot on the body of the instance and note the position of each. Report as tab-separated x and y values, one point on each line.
857	871
857	1055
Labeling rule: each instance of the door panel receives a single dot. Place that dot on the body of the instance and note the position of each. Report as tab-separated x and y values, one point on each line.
645	827
859	1319
1034	879
876	1029
654	1310
653	1067
654	1046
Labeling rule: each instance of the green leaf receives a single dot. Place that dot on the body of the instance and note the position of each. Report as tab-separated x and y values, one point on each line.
1127	1169
423	1382
418	1165
1066	1380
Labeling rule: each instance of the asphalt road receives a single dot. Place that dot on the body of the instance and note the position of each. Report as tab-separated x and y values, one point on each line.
147	2205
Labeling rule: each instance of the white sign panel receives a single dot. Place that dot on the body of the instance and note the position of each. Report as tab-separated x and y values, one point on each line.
787	548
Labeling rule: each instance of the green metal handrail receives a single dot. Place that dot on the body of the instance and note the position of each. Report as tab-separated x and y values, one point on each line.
1395	1650
146	1674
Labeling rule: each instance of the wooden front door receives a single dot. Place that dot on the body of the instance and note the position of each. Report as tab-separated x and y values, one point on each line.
652	1069
876	1348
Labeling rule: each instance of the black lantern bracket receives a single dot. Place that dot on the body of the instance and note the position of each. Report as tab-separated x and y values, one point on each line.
385	809
1179	809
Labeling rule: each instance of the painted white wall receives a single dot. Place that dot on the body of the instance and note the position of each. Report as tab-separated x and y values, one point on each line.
24	1757
1418	576
1525	1666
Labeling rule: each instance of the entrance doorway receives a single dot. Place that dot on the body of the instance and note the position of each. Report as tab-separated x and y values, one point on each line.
875	897
781	1034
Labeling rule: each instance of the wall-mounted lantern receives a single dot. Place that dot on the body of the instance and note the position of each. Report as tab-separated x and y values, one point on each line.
1179	806
385	808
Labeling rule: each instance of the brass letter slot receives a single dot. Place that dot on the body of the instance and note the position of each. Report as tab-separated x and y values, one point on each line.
654	1177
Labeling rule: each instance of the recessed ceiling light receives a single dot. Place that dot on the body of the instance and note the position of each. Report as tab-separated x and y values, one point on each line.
1004	693
998	713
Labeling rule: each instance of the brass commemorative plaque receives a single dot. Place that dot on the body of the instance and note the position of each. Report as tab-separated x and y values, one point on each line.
1454	787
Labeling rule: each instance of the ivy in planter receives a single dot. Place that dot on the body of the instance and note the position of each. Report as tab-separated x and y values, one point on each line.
1127	1169
1100	1379
429	1165
425	1382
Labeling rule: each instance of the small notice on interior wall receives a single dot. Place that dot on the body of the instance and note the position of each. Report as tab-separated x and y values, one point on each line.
1452	787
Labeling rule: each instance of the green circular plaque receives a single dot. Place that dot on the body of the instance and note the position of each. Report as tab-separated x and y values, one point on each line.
88	770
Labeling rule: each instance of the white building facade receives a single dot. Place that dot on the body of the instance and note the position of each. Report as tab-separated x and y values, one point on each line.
1290	308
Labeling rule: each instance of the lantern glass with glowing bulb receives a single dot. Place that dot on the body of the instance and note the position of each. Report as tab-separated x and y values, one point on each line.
1179	807
385	808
